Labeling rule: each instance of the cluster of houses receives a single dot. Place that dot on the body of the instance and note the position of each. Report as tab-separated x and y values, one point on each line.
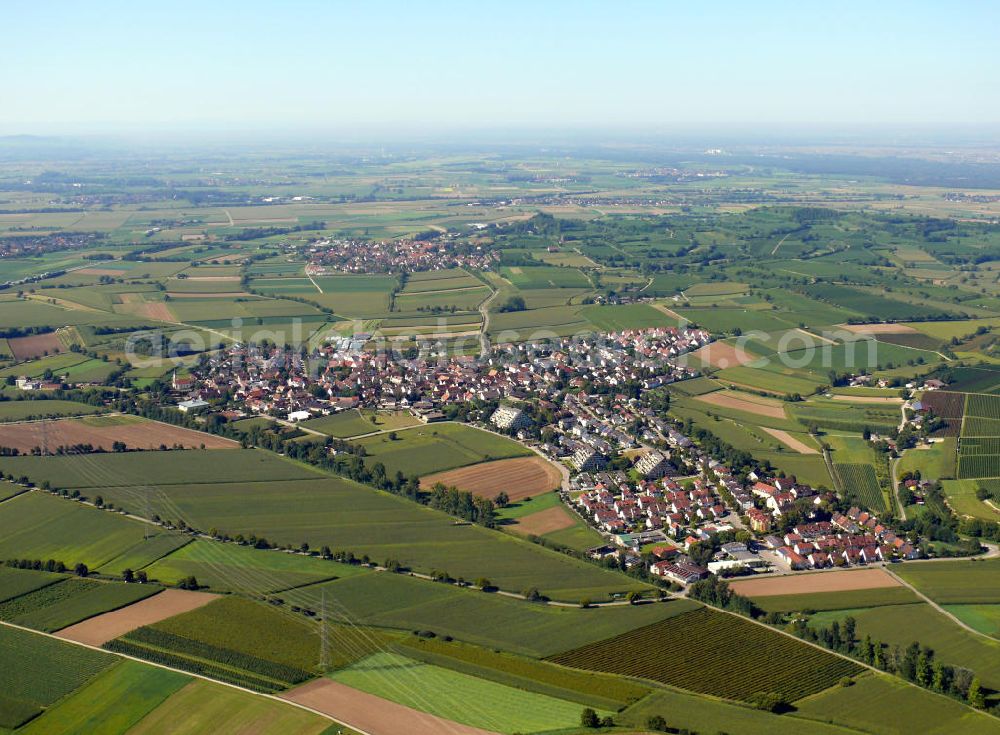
342	375
673	495
848	539
617	505
395	256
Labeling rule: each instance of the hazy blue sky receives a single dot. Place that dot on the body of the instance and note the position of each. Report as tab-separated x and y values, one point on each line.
495	64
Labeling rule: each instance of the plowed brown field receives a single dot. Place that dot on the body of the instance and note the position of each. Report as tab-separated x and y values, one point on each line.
103	432
520	477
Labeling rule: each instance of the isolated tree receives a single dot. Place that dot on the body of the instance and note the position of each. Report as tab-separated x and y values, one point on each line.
128	575
589	718
657	723
975	697
81	570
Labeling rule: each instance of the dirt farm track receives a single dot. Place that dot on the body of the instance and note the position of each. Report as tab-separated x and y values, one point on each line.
520	477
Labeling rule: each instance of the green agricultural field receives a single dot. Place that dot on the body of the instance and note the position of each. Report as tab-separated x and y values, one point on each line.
807	468
135	470
39	671
628	316
40	526
984	618
724	320
963	500
844	416
59	605
405	603
869	304
900	625
695	386
437	447
703	648
863	706
842	600
242	568
767	380
234	640
112	703
22	410
584	687
344	515
156	543
341	425
354	296
202	707
540	323
17	582
9	490
685	710
955	582
458	697
540	276
936	462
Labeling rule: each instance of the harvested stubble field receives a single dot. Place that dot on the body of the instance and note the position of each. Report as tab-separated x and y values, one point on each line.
799	584
723	355
519	477
100	629
27	348
798	445
544	521
747	402
103	431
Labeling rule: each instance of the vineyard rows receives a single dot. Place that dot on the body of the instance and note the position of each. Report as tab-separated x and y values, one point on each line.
860	483
983	406
983	465
979	445
223	656
714	653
